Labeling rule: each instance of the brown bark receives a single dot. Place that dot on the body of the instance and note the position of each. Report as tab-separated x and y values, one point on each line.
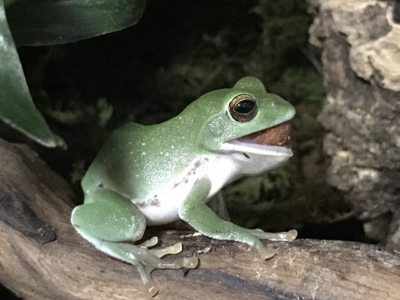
39	261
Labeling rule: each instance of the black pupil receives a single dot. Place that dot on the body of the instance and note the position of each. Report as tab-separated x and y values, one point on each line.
244	107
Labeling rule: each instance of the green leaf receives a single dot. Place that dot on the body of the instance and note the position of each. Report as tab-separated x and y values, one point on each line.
50	22
16	105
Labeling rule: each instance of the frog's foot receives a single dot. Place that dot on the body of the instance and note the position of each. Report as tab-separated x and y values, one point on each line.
258	234
148	260
277	237
160	252
145	270
186	262
267	253
144	259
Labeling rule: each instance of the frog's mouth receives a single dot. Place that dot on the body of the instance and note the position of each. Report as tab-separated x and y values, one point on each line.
278	135
271	141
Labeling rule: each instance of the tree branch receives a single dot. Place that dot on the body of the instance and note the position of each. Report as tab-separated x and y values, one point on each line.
42	257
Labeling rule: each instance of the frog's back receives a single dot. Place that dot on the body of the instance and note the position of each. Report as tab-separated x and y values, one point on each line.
136	159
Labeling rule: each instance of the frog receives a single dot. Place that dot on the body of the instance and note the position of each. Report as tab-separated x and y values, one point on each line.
149	175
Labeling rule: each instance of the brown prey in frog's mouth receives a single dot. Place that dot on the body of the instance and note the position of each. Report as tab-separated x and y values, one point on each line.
274	140
278	135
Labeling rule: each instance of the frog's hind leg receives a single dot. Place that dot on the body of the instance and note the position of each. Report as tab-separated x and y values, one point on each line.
108	220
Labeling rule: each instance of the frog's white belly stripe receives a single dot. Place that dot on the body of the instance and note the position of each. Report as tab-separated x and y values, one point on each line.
220	168
163	208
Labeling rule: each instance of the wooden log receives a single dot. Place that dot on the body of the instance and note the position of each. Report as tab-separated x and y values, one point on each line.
42	257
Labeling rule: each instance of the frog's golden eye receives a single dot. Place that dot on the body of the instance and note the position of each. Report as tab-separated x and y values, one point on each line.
243	108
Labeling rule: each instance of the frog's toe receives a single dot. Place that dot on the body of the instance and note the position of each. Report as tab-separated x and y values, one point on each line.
275	236
190	262
149	243
267	253
148	282
160	252
152	288
291	235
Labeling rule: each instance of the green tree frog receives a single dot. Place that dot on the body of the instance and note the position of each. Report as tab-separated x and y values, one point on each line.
157	174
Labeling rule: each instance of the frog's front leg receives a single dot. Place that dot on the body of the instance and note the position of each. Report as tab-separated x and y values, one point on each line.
195	212
108	220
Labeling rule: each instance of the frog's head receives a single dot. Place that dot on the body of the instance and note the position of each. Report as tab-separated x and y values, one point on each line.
245	119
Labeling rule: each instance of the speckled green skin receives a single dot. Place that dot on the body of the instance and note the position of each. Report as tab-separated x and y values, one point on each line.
137	159
145	172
